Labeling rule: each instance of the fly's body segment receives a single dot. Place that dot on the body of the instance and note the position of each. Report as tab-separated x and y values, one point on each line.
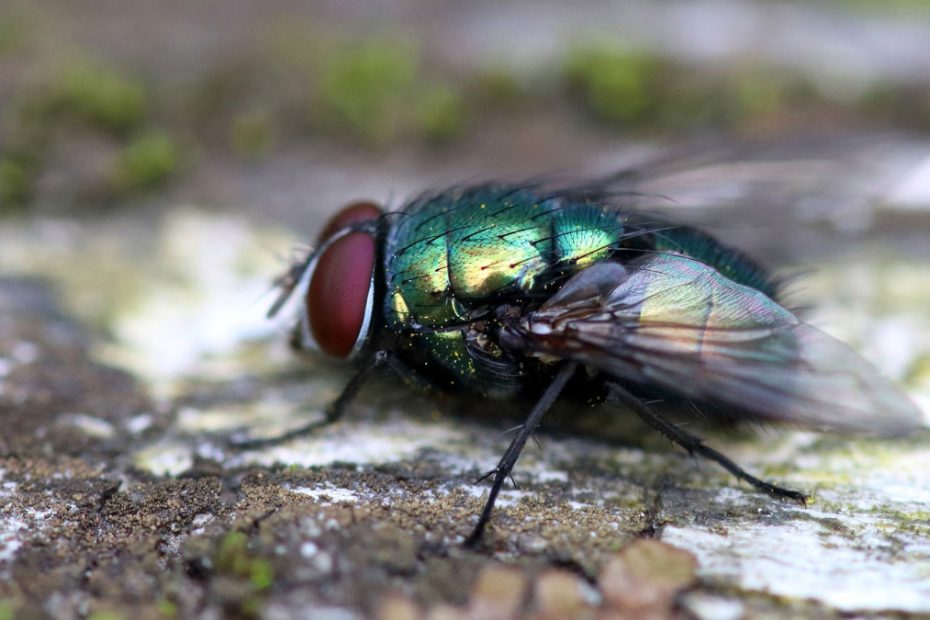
516	290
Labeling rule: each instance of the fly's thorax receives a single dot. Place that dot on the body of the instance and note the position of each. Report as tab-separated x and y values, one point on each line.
451	251
453	258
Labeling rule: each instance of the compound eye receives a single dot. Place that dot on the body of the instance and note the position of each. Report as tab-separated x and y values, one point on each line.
339	296
360	211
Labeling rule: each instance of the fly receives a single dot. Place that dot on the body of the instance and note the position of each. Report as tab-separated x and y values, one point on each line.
520	291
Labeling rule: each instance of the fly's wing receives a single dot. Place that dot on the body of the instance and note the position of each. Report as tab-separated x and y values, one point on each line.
756	195
813	174
673	322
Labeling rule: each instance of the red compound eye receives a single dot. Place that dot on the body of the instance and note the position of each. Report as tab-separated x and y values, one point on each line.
337	297
351	213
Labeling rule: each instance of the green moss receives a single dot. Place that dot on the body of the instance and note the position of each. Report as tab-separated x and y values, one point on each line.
146	162
376	92
918	373
166	608
25	139
627	88
778	471
101	97
916	523
617	85
233	559
15	184
921	517
105	615
261	575
232	554
7	610
364	89
825	505
440	113
256	575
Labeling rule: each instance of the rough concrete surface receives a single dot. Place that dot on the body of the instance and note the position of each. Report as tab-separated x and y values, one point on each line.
120	497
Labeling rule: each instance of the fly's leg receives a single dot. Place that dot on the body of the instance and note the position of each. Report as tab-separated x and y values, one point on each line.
509	459
695	445
333	412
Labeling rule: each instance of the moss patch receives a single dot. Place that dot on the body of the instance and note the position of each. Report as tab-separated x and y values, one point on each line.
440	113
102	97
15	184
243	577
146	162
365	89
616	85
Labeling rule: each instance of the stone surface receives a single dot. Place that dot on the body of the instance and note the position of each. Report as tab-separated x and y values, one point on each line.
133	341
120	495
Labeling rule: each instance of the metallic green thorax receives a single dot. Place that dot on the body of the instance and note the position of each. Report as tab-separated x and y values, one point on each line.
451	258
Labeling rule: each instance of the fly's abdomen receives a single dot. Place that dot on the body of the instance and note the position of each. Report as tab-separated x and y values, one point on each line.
729	262
585	234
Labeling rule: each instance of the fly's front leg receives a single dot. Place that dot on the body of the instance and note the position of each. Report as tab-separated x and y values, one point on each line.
333	412
694	445
509	459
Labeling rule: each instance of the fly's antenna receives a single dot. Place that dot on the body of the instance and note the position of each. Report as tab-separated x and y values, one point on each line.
288	281
299	268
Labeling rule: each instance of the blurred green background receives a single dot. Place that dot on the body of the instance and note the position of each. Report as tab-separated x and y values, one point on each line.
108	104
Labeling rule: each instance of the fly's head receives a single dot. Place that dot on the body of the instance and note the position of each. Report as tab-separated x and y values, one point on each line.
335	285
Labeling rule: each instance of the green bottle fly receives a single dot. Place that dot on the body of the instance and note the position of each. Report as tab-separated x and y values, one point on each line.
517	290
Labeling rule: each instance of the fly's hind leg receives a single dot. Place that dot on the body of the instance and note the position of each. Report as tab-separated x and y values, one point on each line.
694	445
333	412
509	459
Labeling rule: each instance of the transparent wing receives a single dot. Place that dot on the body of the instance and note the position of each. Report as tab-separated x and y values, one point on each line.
815	174
673	322
767	196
